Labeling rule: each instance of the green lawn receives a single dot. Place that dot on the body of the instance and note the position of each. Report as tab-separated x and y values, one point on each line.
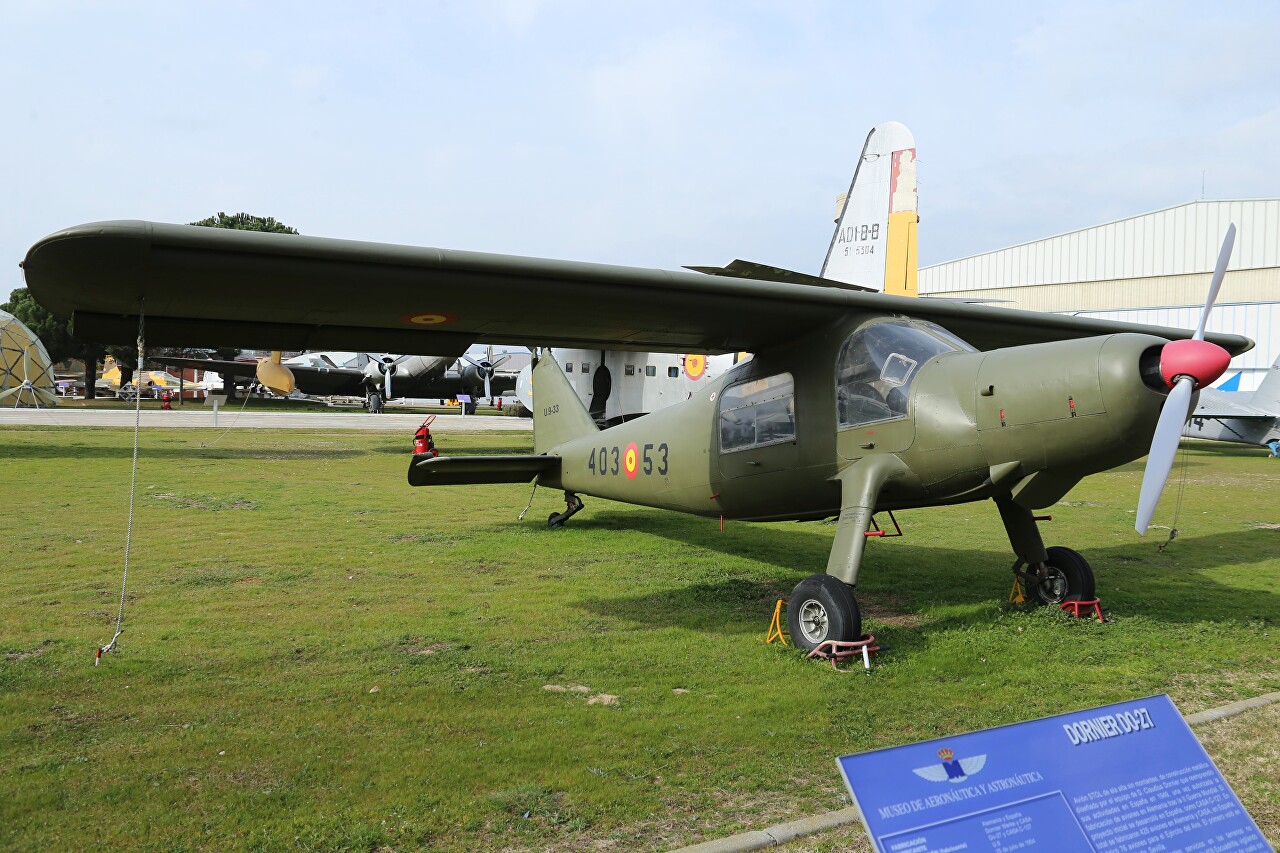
318	657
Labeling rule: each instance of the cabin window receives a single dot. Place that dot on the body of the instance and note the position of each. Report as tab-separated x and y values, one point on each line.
758	412
673	372
586	368
877	365
629	370
568	367
650	370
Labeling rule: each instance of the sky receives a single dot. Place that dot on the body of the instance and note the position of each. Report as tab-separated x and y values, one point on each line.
653	134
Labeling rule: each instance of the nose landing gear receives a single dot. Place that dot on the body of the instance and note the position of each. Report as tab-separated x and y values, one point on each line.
1064	576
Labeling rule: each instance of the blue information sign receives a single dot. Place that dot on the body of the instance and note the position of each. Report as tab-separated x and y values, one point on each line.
1122	777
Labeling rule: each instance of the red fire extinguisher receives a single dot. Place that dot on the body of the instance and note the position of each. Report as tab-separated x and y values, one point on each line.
422	440
165	398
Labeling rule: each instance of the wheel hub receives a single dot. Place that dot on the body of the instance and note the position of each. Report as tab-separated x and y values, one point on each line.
813	621
1052	586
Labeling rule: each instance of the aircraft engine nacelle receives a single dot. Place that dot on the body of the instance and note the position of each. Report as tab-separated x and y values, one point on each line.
378	373
474	375
1040	417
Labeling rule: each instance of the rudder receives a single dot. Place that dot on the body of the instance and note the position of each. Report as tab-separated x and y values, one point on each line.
558	413
874	244
1267	394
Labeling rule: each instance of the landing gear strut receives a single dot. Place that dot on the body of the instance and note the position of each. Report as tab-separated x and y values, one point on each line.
1053	575
822	608
572	503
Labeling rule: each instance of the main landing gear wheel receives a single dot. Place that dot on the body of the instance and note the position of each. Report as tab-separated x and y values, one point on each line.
1066	577
822	608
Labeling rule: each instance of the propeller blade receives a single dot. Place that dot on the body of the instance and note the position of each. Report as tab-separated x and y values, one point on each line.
388	385
487	394
1216	284
495	364
1164	446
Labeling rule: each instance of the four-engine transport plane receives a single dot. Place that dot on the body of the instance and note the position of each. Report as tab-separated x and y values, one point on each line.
853	402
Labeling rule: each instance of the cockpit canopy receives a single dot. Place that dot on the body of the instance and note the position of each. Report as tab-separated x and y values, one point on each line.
878	363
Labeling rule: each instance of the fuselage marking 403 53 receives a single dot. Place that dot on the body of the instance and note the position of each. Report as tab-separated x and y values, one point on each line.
630	460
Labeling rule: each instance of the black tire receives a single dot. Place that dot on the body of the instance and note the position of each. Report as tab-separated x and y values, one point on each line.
822	608
1069	578
555	520
375	404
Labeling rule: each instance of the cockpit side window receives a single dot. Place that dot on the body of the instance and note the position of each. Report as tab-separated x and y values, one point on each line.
877	365
758	412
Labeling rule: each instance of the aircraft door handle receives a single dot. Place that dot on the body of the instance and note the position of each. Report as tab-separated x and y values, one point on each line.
753	462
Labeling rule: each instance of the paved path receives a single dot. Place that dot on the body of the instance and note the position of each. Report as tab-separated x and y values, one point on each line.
200	417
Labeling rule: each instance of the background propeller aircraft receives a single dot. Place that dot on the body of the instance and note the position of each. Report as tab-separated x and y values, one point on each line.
377	378
1245	418
854	402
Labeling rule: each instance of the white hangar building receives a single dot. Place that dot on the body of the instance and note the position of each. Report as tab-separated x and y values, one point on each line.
1154	268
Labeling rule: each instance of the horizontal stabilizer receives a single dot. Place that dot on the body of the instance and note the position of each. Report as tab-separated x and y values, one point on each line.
1226	404
474	470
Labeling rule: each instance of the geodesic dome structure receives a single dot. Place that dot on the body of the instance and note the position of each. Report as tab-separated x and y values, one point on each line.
26	374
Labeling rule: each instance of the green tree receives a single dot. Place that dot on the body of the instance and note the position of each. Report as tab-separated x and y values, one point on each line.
242	222
54	333
246	222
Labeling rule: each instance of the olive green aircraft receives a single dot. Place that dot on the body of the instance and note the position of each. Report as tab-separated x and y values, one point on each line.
853	403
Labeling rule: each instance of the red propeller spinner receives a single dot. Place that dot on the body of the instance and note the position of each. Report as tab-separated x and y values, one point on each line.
1202	361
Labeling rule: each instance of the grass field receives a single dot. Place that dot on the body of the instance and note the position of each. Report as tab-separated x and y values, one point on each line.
318	657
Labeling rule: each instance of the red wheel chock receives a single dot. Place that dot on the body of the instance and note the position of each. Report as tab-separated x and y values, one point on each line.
1076	606
838	650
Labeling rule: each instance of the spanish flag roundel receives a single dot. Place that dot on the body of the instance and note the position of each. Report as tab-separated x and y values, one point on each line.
695	366
631	460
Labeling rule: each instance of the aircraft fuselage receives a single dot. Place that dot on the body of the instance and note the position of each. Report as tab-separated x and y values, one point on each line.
1031	420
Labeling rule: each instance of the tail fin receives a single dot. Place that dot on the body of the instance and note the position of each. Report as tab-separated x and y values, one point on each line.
874	244
1267	395
558	413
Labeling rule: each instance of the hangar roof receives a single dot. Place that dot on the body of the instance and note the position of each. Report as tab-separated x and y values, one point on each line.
1178	240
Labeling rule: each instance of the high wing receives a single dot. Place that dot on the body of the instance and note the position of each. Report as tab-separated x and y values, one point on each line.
212	286
1219	404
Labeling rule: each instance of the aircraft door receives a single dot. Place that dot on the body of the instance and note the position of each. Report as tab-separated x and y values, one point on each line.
601	387
757	426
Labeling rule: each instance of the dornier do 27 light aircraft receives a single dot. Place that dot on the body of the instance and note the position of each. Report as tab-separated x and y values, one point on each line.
854	402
